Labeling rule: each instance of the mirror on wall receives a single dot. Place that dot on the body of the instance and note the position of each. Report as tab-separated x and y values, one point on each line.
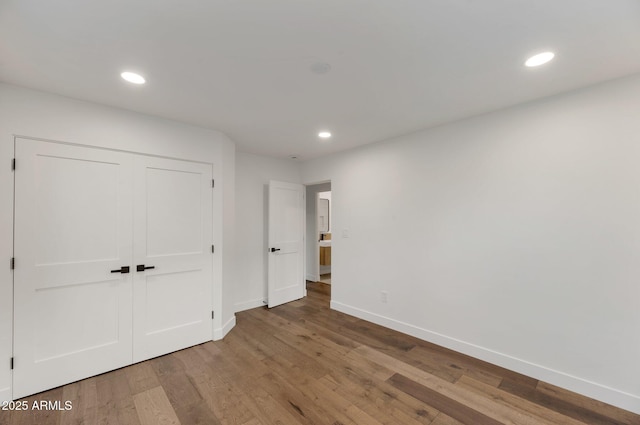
323	215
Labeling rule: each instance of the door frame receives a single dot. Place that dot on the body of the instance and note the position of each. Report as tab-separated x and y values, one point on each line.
312	249
312	260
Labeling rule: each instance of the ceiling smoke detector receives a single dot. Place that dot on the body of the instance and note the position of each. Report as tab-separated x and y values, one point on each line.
320	68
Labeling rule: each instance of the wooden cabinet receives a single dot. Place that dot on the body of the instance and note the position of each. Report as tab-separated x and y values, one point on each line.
325	255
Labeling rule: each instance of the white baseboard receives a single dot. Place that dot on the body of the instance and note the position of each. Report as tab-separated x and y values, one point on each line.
220	333
248	305
582	386
313	278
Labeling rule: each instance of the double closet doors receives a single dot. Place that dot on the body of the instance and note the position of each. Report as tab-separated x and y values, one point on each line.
113	261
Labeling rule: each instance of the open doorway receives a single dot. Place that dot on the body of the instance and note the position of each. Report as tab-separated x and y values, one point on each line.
318	232
323	215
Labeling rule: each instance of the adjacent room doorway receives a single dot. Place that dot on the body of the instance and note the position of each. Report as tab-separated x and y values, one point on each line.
319	232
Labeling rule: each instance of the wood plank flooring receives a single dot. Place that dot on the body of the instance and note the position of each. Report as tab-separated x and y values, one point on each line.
302	363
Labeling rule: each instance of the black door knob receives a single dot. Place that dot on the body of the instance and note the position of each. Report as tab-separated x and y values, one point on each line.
123	270
141	267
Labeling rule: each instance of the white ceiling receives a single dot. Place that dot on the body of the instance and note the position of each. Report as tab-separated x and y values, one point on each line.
244	66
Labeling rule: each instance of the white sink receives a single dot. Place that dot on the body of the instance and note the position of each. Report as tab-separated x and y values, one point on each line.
325	243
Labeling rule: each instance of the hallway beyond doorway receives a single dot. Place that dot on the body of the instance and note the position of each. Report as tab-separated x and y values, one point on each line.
325	278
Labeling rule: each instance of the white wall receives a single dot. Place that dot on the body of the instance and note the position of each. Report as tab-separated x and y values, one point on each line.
227	228
253	173
40	115
513	237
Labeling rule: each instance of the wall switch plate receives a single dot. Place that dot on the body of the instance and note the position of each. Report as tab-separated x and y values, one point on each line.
345	233
384	295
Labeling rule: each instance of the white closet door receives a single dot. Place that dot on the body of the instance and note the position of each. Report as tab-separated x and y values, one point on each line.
172	244
73	226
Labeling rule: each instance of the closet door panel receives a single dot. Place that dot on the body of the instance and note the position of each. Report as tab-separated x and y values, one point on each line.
73	226
172	247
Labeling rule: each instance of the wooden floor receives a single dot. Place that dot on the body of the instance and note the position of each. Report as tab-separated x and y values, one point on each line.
302	363
325	278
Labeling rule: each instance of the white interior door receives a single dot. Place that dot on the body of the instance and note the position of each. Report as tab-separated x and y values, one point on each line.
286	280
173	256
73	226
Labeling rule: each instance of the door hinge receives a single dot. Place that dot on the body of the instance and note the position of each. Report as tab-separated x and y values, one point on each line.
213	183
213	315
11	363
13	164
13	263
213	249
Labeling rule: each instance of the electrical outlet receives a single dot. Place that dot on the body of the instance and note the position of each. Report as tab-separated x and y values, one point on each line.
384	296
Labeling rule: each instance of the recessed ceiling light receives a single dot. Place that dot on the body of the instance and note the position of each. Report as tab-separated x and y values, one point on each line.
324	135
539	59
132	77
